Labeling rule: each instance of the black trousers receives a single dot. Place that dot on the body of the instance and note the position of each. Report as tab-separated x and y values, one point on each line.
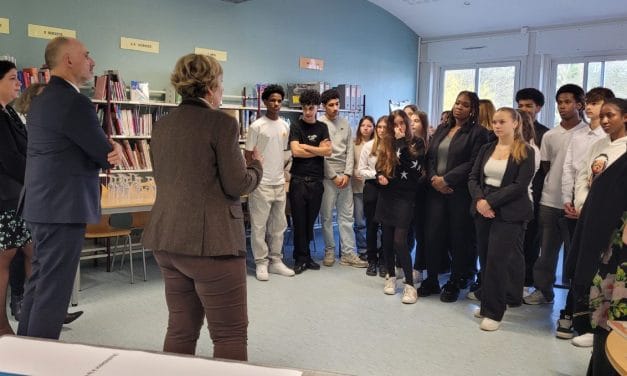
57	250
599	363
305	199
396	248
448	222
17	274
419	230
533	239
499	244
371	193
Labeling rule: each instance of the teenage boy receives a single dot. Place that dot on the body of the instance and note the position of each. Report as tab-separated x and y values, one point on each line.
338	192
309	143
578	149
531	101
266	204
570	103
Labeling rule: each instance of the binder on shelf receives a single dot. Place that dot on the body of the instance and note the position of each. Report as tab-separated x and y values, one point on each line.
140	91
345	96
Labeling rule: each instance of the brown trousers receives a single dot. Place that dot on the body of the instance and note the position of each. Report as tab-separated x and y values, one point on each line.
199	287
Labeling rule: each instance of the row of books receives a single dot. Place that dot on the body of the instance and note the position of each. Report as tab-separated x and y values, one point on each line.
136	156
109	86
29	76
129	122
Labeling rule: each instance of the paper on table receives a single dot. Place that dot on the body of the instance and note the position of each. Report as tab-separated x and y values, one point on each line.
56	358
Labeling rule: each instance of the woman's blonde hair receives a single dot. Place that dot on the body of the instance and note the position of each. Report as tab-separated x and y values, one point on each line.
377	140
22	103
486	113
519	149
194	75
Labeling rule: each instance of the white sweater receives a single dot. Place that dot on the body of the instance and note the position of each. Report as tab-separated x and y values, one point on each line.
367	162
604	152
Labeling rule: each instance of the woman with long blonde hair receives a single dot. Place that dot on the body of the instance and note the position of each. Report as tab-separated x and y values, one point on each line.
499	185
400	171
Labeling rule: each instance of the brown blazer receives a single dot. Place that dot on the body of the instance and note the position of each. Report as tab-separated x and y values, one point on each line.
200	175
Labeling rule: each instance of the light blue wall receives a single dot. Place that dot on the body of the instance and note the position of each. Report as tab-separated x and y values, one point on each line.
360	42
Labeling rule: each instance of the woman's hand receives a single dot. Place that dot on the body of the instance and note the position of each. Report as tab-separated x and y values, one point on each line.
398	133
484	208
438	183
382	180
256	156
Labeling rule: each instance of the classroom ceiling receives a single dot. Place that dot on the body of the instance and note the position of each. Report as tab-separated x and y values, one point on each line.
445	18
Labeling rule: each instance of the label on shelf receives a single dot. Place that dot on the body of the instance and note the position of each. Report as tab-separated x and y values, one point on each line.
4	25
48	32
139	45
218	55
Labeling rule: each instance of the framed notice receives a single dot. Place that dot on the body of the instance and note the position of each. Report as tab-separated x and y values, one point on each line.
218	55
48	32
311	63
4	26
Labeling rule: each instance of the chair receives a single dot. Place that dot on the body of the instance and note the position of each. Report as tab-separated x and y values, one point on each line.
110	226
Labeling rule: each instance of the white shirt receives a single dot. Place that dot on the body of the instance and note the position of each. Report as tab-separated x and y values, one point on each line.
600	156
271	139
553	149
493	171
367	162
578	147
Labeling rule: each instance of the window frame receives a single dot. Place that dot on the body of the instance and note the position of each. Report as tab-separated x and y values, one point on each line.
550	105
476	66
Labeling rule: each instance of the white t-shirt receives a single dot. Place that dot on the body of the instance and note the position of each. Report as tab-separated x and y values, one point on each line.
271	139
553	149
580	142
600	156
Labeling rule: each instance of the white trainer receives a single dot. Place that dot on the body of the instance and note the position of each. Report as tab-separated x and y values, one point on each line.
390	285
262	272
489	325
477	313
584	340
278	267
410	295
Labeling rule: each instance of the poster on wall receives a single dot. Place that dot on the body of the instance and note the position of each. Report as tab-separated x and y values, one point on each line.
49	32
311	63
139	45
4	26
218	55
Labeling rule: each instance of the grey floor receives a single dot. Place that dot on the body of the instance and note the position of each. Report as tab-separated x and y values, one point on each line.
337	319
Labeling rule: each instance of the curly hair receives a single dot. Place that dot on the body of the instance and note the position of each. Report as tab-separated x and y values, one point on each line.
272	89
194	75
532	94
309	97
328	95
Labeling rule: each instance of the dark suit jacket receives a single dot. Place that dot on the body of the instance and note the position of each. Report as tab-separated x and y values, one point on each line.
200	175
511	200
12	158
462	152
66	149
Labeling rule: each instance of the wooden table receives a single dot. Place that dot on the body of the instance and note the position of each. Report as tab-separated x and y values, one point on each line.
616	350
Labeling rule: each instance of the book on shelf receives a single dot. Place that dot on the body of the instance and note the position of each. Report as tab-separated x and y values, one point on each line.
136	155
140	91
125	122
100	87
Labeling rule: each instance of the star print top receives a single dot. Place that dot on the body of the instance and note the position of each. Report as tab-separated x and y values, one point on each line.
409	173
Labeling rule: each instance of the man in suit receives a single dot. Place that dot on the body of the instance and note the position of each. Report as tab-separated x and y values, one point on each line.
66	149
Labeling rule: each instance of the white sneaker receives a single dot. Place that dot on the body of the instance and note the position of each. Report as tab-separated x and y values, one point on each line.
329	258
526	291
410	295
489	325
472	296
536	298
584	340
278	267
262	272
390	285
353	260
477	313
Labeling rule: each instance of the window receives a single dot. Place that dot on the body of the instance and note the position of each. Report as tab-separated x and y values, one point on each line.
589	74
496	83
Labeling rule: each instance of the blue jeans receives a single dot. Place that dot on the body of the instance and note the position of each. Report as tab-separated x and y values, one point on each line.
360	220
342	201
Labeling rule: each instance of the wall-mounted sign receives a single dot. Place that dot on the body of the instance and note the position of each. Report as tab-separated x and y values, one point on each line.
4	25
48	32
139	45
218	55
311	63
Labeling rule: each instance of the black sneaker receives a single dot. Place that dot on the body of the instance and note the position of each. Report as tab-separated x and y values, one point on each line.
564	326
474	287
382	270
299	267
311	264
450	292
428	287
372	269
463	283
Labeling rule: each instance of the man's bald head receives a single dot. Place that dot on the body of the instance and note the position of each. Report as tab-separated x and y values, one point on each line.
55	50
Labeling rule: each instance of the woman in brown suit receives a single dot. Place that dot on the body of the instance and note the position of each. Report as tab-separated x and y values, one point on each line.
196	227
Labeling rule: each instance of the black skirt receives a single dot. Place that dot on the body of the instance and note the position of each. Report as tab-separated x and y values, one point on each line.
395	208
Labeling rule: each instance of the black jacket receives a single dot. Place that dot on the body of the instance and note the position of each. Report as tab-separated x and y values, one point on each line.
511	200
462	152
12	158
